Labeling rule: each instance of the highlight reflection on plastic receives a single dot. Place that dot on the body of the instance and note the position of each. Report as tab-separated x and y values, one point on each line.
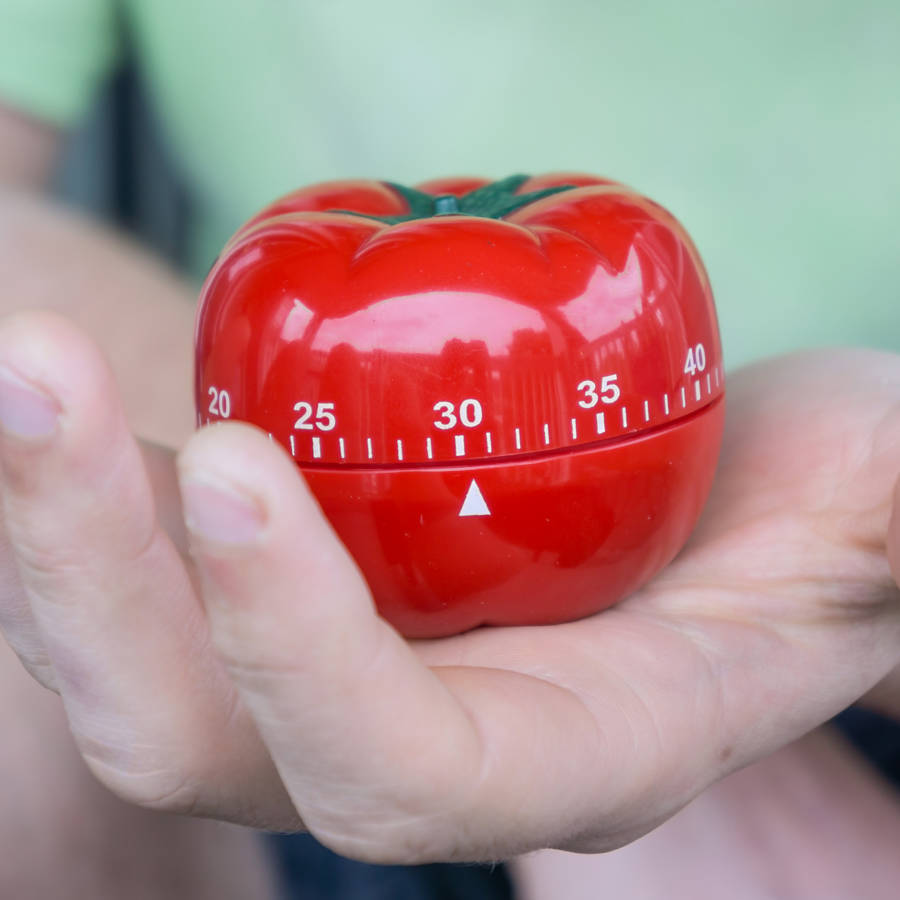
507	397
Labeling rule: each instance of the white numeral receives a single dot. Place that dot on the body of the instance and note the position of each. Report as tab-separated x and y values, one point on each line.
590	398
696	360
471	414
219	403
324	417
325	420
609	391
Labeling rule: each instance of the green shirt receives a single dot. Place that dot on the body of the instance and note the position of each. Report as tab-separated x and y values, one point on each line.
771	129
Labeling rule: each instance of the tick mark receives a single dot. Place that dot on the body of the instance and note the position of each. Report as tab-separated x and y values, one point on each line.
696	390
646	410
518	440
574	430
546	433
601	422
666	403
487	441
341	448
716	372
624	417
317	448
400	450
683	399
369	447
459	441
708	383
293	448
429	450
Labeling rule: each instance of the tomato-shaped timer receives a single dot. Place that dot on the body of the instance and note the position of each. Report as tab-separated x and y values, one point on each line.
507	397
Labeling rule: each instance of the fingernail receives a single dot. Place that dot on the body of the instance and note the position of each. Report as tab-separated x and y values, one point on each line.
219	513
25	411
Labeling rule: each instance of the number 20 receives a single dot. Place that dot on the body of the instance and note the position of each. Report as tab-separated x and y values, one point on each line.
219	403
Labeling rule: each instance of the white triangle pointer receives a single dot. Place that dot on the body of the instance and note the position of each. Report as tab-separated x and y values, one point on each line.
474	504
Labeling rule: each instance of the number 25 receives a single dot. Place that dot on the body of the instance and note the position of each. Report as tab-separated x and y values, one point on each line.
325	419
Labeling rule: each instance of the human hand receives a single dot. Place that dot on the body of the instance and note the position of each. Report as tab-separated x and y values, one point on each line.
255	683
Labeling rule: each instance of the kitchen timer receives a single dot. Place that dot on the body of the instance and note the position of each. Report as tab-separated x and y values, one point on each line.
507	397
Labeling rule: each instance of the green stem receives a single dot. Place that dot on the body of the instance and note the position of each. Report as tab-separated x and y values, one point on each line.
492	201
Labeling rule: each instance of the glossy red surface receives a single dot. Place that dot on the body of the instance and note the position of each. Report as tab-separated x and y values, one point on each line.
565	358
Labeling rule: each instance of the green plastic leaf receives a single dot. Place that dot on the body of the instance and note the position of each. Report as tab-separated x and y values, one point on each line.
492	201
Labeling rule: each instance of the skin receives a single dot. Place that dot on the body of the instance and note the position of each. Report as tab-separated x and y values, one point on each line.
241	673
59	825
252	681
808	821
64	834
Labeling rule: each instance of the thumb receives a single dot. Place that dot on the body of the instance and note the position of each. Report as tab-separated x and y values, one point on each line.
370	744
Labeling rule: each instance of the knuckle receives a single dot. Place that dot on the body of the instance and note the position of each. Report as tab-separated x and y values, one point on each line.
410	843
412	822
50	561
41	670
60	530
18	628
35	662
144	777
253	659
42	560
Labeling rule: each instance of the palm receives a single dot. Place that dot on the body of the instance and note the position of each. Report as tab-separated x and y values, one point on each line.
779	612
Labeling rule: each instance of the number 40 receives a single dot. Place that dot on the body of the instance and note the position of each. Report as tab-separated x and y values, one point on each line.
696	360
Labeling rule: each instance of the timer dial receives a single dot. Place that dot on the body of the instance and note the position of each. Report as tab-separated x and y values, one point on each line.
507	397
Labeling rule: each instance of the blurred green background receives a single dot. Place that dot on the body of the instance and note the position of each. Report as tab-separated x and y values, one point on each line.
771	129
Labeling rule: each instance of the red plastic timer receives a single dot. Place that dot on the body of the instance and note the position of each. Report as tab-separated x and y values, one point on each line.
507	397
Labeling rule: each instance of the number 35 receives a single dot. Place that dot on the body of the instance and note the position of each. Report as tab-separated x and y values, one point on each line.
609	391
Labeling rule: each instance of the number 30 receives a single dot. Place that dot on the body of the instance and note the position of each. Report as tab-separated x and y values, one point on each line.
470	414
